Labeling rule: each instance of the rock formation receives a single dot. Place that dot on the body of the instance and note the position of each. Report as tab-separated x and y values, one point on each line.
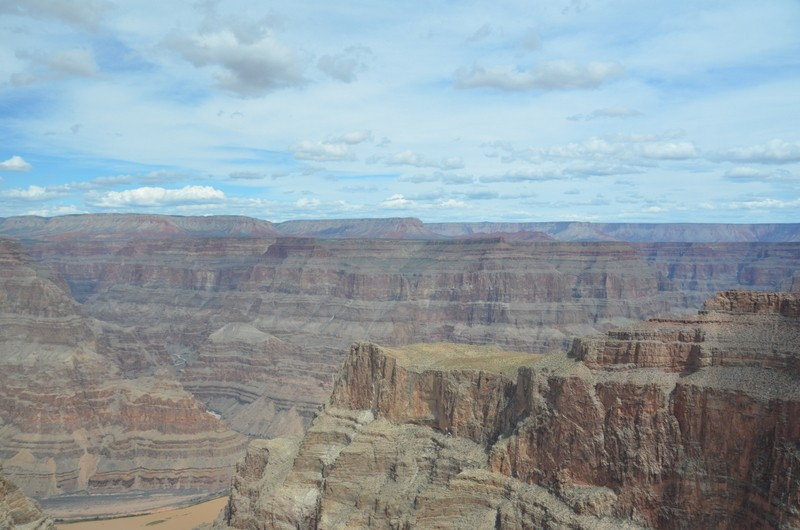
672	423
309	299
70	419
19	512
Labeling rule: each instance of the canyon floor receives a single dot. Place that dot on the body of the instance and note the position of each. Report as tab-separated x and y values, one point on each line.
186	518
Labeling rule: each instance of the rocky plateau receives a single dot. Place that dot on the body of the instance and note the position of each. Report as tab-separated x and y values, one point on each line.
673	423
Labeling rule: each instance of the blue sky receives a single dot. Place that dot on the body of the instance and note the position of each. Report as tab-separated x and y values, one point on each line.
447	111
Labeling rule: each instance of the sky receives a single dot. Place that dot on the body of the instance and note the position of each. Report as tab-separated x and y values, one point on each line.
557	110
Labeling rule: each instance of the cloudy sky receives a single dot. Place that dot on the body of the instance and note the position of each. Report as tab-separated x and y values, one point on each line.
443	110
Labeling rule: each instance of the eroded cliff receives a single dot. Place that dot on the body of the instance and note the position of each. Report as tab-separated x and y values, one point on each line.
71	421
672	423
19	512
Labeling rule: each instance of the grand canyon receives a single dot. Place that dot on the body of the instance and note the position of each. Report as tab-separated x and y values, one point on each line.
507	375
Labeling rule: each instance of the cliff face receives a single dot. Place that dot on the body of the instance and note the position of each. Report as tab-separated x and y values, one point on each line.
72	421
672	423
19	512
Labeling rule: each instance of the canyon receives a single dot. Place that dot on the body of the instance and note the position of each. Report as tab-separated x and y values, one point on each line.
141	352
684	422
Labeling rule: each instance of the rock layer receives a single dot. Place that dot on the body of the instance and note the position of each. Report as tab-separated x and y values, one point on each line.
70	419
312	298
19	512
673	423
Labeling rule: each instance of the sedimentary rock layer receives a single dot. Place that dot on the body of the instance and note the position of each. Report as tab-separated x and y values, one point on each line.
19	512
70	419
673	423
309	299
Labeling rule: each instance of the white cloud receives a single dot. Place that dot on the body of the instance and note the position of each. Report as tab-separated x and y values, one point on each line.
410	158
654	209
86	13
451	203
353	138
397	201
77	62
670	151
305	202
321	151
525	174
15	163
68	209
764	204
36	193
748	174
556	75
53	66
774	152
251	63
608	112
347	65
153	196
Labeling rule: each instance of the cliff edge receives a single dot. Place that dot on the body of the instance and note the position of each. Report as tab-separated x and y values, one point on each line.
672	423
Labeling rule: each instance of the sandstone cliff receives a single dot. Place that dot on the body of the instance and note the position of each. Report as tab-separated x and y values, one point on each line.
70	419
672	423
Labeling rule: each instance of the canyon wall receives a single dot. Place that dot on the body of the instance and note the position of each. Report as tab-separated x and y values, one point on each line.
71	420
18	511
673	423
298	302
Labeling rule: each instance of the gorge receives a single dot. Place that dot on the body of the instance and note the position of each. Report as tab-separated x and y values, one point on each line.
141	352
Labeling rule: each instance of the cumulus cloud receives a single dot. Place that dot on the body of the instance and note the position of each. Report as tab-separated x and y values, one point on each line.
36	193
670	151
525	174
103	182
15	163
774	152
305	202
347	65
608	112
556	75
66	209
410	158
154	196
353	138
321	151
397	201
86	13
52	66
250	60
765	204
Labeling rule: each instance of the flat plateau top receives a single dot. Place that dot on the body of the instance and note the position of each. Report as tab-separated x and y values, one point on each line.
447	356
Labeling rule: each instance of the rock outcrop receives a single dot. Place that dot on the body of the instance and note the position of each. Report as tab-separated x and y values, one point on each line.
18	512
672	423
71	421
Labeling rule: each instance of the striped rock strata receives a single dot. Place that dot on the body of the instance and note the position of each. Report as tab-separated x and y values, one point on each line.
673	423
71	421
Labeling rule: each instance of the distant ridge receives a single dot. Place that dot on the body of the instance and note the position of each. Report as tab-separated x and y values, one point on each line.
152	226
389	228
133	226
